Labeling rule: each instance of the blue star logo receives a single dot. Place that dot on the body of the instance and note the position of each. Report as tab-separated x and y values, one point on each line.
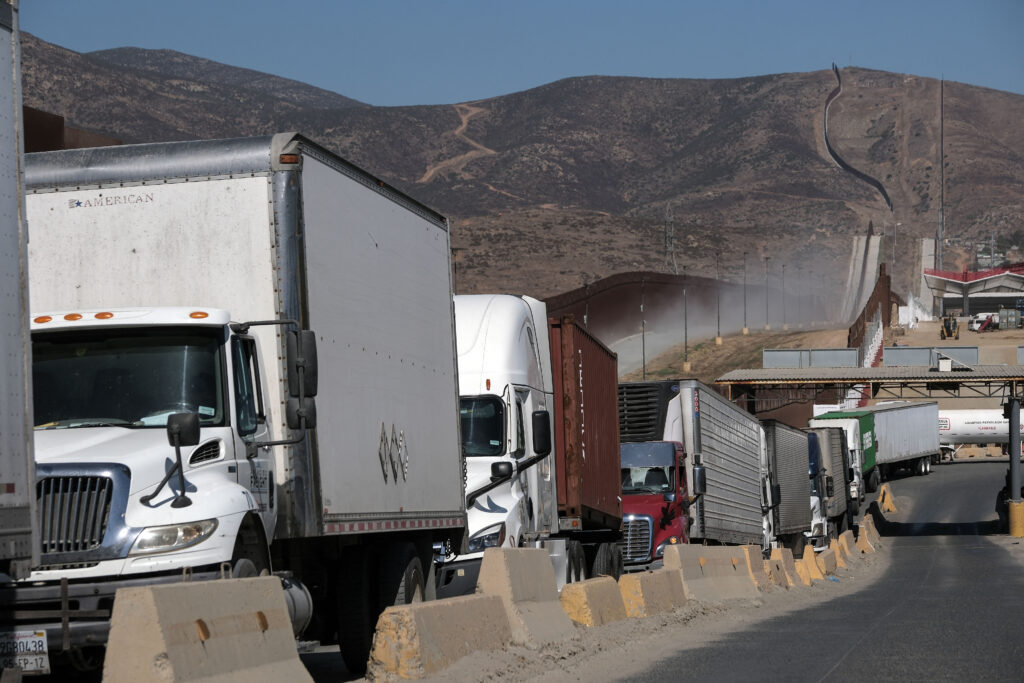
78	203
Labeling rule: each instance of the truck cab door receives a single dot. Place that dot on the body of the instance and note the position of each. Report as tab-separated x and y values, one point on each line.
256	471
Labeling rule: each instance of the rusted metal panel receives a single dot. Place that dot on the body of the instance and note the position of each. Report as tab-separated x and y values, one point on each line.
585	375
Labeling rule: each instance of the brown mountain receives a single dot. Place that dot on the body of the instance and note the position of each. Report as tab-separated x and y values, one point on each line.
576	180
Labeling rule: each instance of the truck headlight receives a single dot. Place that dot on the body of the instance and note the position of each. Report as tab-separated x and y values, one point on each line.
660	550
491	537
160	539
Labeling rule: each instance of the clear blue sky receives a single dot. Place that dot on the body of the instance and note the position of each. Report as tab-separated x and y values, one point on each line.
397	52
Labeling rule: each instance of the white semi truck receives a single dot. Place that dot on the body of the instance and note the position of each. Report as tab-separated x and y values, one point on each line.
19	549
529	484
175	290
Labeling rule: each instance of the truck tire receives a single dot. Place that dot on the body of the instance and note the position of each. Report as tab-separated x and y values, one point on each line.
401	577
922	468
357	609
874	480
576	566
604	562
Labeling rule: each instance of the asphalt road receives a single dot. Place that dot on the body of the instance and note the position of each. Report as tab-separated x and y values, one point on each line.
949	607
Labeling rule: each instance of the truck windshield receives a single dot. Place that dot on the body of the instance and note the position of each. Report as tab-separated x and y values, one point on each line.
126	377
647	479
483	425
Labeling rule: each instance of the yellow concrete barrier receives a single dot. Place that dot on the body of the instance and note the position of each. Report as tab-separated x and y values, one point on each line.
648	593
413	641
810	563
755	565
793	577
868	524
826	561
863	543
840	555
711	572
849	544
226	630
885	499
524	579
1016	513
594	602
776	573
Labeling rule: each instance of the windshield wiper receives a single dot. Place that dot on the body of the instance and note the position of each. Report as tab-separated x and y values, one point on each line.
75	422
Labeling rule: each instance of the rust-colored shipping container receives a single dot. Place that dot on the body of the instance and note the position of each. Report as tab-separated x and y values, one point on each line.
586	426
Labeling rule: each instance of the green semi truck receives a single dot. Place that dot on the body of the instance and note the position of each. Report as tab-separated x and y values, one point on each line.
885	437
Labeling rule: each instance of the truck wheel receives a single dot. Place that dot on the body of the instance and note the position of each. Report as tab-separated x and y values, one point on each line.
873	481
401	580
854	504
603	561
357	617
575	569
920	470
617	561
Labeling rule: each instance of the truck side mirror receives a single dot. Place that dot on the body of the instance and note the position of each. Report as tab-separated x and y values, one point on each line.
541	432
830	487
183	429
302	362
501	470
776	495
669	497
300	413
700	480
850	474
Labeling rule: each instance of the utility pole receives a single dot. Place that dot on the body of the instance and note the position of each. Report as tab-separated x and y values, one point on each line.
784	325
766	325
643	335
718	296
686	337
745	329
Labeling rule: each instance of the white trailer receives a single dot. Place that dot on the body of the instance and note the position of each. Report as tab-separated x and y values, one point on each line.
958	428
727	457
164	277
19	549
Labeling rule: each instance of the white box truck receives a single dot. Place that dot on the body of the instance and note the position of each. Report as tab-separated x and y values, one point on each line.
19	549
832	506
169	282
528	484
726	456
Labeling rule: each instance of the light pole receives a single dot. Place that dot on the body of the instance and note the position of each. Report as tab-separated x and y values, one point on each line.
686	340
718	296
745	329
784	325
894	231
643	335
766	325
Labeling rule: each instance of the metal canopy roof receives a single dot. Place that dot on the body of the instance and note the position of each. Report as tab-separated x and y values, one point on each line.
908	382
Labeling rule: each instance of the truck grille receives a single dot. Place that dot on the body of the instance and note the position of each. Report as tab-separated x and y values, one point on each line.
636	545
73	512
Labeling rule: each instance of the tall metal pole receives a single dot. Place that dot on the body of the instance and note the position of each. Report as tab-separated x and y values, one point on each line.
643	335
718	297
766	325
1014	493
686	337
745	329
783	296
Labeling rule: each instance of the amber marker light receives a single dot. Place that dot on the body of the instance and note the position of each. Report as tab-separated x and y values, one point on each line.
42	319
73	316
289	158
198	315
105	315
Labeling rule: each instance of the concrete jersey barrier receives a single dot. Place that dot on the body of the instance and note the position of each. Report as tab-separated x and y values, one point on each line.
593	602
225	630
524	579
648	593
711	573
413	641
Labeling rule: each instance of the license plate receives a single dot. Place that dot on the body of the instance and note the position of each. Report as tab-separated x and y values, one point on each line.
25	649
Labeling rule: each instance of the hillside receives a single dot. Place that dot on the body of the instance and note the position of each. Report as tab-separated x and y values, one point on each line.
560	185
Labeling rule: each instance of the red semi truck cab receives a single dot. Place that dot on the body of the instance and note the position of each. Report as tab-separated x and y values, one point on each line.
654	501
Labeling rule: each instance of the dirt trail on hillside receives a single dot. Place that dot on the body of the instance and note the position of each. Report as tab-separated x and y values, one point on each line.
465	112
